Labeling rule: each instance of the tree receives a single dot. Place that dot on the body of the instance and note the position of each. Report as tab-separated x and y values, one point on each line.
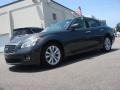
118	27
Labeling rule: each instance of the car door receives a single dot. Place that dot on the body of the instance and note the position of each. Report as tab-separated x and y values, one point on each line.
75	38
92	32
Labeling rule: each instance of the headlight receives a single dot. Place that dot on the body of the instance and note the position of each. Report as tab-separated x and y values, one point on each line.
31	42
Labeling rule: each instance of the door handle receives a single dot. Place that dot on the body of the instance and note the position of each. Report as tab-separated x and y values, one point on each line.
101	29
88	31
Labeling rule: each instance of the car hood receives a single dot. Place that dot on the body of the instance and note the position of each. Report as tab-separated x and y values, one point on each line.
19	39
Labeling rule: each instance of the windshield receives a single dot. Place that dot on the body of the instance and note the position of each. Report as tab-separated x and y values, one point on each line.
37	30
19	32
58	26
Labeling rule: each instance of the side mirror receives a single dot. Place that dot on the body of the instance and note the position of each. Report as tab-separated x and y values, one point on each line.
75	26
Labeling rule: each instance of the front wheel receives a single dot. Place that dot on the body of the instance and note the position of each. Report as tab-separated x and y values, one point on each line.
52	54
107	44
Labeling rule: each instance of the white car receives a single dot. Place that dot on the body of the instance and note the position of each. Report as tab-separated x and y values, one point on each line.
118	34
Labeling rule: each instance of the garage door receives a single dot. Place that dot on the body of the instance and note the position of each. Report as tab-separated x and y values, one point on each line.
4	24
3	40
26	17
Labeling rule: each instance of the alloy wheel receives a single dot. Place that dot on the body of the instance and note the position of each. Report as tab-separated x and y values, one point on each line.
53	55
107	44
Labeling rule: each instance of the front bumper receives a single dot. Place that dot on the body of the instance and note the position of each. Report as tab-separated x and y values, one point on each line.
26	56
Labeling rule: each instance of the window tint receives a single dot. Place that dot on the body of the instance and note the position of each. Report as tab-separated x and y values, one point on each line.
61	25
87	24
28	31
80	22
21	32
91	23
37	30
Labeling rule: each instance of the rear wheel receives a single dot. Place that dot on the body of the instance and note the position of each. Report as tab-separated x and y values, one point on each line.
107	44
52	54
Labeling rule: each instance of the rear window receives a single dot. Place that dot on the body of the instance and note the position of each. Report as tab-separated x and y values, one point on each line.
90	23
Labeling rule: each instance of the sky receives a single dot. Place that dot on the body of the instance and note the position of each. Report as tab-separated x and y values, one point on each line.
108	10
3	2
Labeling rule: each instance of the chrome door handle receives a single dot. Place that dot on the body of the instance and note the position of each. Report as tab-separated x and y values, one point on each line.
88	31
101	29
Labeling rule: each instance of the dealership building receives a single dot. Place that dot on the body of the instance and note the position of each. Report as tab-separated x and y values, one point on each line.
30	13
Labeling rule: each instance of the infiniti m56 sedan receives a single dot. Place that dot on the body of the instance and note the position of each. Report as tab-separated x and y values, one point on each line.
65	38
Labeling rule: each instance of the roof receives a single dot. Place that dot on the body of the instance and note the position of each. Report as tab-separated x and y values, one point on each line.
17	1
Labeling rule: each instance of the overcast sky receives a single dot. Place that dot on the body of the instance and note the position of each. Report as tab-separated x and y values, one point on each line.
101	9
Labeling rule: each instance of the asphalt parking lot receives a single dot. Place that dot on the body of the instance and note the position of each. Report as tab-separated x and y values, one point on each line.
89	71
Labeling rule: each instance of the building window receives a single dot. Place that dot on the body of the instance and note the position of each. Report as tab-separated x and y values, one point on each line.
54	16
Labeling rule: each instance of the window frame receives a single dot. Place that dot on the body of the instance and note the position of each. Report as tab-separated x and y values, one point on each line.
82	19
89	19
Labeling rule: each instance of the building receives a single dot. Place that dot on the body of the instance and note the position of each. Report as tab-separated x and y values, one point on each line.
31	13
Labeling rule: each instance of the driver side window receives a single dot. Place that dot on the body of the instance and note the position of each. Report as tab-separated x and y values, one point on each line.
80	24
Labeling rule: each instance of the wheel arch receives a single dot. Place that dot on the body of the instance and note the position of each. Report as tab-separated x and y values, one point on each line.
59	43
108	35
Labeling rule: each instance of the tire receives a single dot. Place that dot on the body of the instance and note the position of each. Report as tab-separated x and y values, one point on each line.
52	54
107	44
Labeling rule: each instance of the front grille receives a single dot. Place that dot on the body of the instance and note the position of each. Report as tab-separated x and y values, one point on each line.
10	48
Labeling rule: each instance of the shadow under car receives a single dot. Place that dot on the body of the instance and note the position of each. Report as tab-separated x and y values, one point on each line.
67	61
